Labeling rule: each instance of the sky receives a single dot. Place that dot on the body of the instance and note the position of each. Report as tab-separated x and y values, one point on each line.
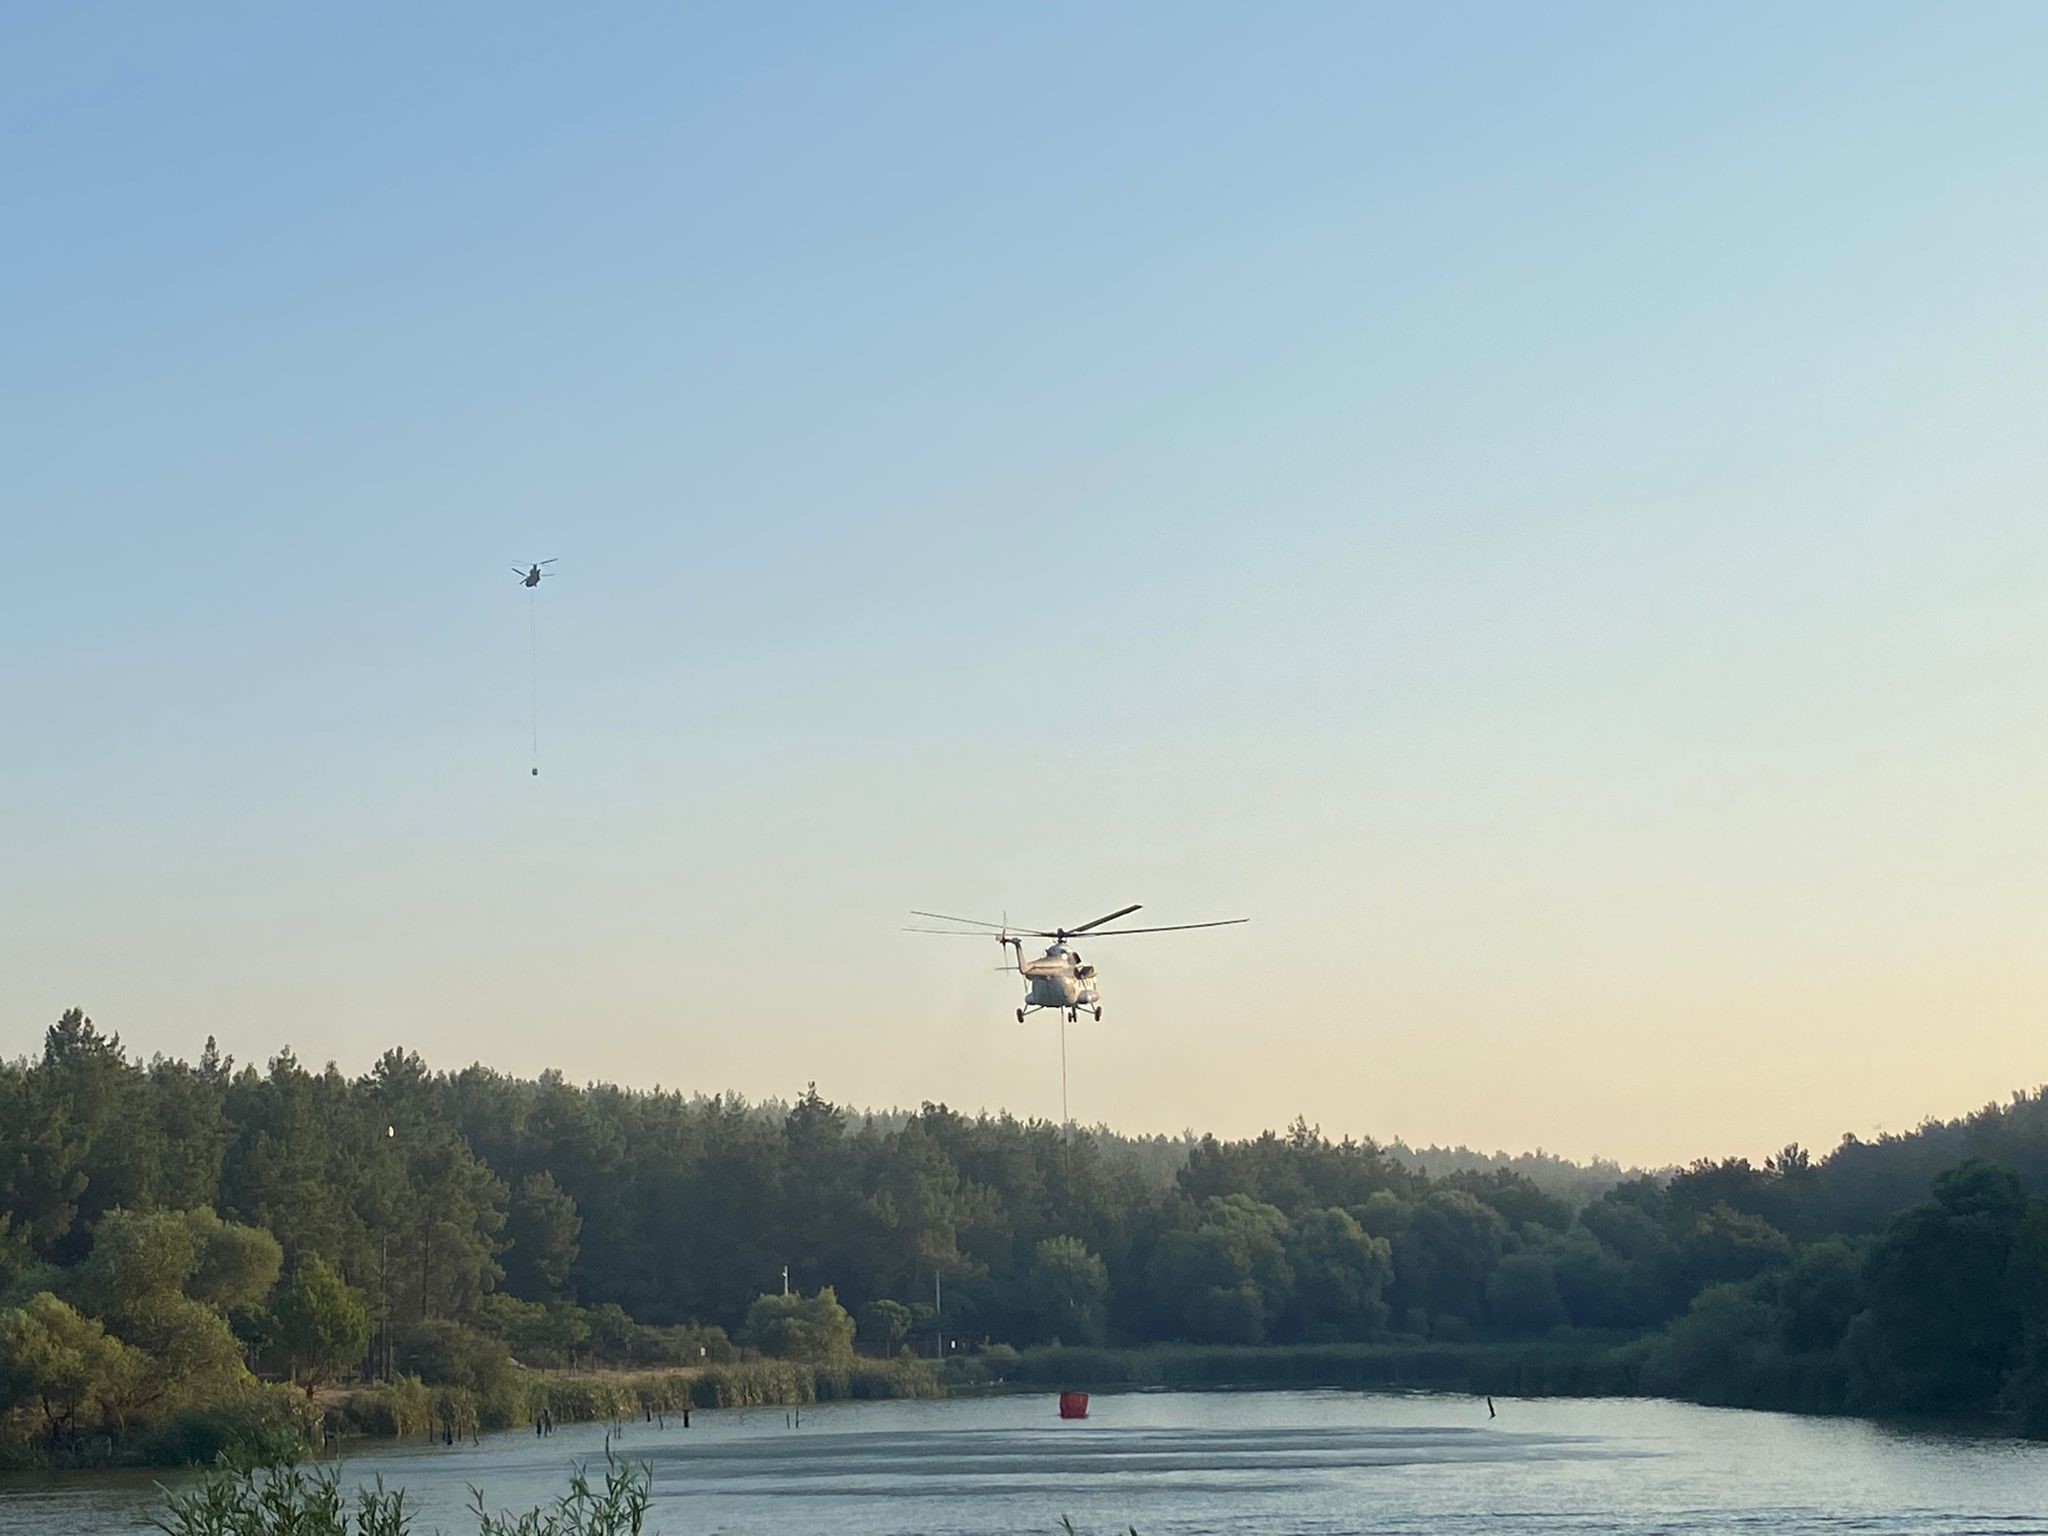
1539	508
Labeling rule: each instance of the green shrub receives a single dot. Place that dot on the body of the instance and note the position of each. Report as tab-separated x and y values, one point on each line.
394	1410
451	1354
800	1327
509	1400
539	1335
265	1426
1000	1359
683	1345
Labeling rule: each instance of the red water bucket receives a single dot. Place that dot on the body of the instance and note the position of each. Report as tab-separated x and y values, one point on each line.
1073	1405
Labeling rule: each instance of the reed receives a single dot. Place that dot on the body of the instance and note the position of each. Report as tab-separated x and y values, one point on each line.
405	1407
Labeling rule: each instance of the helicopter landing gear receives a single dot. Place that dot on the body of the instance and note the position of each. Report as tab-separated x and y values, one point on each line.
1073	1015
1020	1015
1098	1015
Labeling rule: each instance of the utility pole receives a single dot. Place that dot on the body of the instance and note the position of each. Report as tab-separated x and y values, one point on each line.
785	1279
384	1272
384	1285
938	1317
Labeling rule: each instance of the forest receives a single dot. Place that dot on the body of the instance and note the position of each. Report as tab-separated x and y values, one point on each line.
179	1239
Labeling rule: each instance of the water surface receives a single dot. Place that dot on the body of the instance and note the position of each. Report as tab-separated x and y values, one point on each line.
1241	1463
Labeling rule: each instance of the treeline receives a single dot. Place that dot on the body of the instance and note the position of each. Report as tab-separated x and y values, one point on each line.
474	1219
1573	1182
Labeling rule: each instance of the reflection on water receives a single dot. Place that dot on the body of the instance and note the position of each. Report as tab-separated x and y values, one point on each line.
1237	1462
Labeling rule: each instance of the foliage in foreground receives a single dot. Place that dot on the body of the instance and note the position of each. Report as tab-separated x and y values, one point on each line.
286	1501
618	1508
291	1501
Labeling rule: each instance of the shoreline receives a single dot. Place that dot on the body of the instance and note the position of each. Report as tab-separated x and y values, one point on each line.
1585	1367
1566	1367
1996	1428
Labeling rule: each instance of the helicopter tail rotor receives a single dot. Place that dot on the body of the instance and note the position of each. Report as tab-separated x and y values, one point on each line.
1003	938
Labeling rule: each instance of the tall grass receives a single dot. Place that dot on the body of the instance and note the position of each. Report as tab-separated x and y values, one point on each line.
405	1407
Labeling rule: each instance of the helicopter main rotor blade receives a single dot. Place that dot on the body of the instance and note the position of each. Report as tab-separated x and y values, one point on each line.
975	922
550	562
1119	912
1110	933
947	917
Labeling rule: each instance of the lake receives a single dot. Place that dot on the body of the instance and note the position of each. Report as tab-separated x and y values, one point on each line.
1200	1462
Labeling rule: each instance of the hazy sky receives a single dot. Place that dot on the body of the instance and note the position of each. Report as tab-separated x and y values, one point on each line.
1543	508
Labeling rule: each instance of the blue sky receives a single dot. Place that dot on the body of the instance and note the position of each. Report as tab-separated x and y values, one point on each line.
1539	507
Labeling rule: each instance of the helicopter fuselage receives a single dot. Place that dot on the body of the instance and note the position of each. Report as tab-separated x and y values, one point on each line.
1058	979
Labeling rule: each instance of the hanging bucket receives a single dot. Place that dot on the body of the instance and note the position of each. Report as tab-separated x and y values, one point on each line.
1073	1405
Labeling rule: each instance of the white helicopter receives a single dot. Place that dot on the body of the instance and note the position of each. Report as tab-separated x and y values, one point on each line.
1059	979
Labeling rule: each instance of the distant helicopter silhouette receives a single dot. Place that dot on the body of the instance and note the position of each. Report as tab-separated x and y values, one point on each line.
530	579
1058	980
